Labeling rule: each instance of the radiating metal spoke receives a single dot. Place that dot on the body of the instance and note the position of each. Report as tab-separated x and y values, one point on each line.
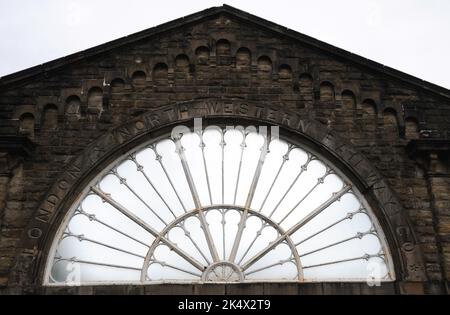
180	150
251	193
285	159
164	264
188	235
92	217
81	238
88	262
228	276
159	159
223	222
349	216
222	145
123	181
293	229
364	257
279	263
140	169
215	272
258	234
335	196
243	146
262	158
319	182
358	235
202	147
303	169
146	227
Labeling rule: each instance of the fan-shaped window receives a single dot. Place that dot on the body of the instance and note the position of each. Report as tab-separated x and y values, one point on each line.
222	205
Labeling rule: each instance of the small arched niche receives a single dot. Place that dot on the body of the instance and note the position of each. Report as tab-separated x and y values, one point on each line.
264	67
139	78
369	115
369	109
26	125
223	52
73	105
326	92
243	57
348	100
411	128
390	123
182	67
95	100
285	73
182	63
202	54
223	47
160	73
50	117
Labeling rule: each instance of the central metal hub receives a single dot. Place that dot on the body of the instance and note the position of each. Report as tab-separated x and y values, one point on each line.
223	271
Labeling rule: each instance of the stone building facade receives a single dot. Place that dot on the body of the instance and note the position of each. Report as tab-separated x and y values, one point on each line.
60	122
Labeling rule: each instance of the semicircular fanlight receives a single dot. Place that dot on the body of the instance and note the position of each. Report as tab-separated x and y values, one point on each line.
220	205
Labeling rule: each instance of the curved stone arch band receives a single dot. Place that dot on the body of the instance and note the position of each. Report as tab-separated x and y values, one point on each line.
405	250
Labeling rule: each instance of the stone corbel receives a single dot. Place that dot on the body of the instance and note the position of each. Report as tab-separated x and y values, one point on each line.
12	151
433	155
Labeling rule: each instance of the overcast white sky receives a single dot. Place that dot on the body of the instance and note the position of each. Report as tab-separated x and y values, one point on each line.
409	35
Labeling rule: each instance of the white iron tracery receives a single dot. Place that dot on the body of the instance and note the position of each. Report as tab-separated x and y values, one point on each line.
220	205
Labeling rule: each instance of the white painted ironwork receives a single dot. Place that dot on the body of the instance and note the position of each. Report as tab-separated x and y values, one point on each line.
219	205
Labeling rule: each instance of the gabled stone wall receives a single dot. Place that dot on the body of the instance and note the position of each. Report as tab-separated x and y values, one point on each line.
64	110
